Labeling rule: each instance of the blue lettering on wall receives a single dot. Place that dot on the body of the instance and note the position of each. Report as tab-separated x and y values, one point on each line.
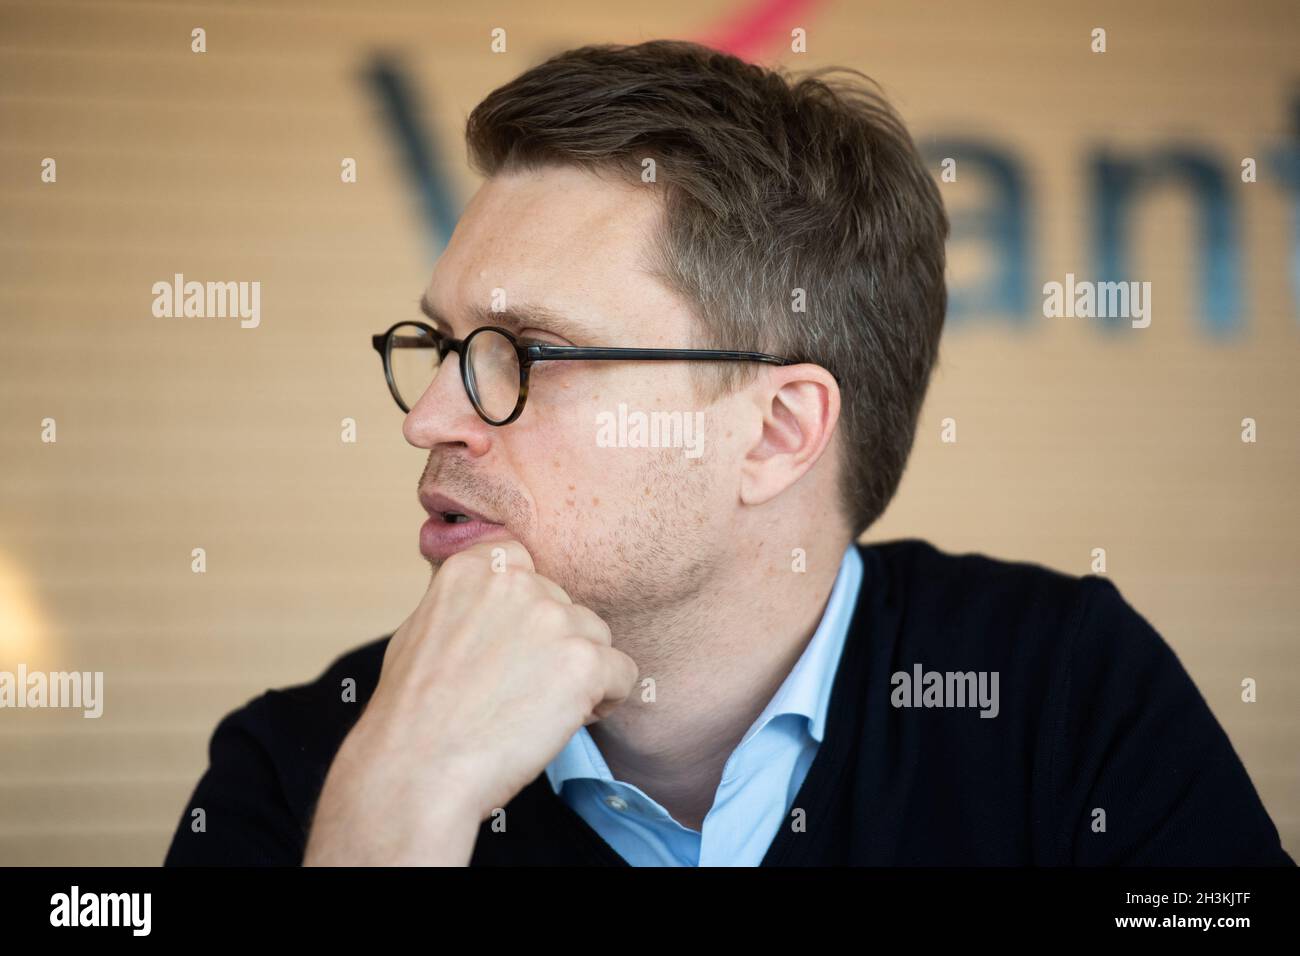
1009	291
1004	223
415	142
1117	184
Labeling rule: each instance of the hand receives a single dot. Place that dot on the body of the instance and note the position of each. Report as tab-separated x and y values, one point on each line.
480	688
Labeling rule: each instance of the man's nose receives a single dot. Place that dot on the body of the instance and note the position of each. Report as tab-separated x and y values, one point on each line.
444	415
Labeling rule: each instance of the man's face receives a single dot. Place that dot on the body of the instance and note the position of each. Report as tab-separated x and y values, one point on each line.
624	530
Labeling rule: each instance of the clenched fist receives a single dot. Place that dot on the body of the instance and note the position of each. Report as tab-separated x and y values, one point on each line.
480	688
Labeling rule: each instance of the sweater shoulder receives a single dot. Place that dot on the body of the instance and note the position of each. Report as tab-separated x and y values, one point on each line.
299	727
267	761
1091	712
974	588
924	562
360	664
970	611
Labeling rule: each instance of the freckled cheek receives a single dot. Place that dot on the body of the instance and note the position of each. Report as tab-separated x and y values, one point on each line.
579	479
567	474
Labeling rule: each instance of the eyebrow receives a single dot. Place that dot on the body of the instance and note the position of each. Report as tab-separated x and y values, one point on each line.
516	319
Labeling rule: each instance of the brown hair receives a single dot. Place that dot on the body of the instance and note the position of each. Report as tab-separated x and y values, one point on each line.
770	184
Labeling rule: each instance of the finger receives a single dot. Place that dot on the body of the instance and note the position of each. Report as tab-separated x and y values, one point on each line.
503	554
619	673
553	590
499	556
587	623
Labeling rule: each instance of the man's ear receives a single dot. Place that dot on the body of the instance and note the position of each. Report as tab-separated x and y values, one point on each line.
800	406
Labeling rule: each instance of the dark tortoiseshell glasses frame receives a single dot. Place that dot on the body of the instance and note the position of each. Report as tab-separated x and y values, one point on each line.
530	354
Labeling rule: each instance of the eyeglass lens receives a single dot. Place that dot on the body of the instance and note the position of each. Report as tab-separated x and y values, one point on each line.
491	369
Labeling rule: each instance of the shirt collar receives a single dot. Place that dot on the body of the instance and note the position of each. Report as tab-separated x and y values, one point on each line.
806	691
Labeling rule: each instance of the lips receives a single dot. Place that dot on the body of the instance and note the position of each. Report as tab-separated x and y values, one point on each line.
453	526
450	510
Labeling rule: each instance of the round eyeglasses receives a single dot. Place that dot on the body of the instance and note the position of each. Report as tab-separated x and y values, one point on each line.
494	364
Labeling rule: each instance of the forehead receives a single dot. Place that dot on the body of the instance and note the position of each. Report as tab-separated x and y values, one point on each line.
560	238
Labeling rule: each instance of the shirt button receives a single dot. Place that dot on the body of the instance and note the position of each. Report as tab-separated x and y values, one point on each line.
615	801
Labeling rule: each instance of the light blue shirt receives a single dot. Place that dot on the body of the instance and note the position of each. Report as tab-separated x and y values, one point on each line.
760	779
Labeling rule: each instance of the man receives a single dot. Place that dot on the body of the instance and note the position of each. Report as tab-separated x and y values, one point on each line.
650	637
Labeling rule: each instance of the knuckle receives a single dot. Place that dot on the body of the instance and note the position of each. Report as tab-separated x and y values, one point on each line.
509	584
630	669
602	628
514	550
550	616
459	564
581	657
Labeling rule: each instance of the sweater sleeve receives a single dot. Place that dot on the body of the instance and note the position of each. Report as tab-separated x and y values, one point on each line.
246	819
1143	774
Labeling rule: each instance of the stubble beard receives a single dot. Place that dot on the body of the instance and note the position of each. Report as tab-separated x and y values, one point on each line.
642	568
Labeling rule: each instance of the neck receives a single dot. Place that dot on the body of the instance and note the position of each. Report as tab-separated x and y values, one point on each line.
715	662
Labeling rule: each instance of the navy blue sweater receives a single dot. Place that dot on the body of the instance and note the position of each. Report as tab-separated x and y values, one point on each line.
1102	751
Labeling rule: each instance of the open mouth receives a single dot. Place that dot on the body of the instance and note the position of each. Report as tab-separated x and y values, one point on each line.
449	529
445	510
